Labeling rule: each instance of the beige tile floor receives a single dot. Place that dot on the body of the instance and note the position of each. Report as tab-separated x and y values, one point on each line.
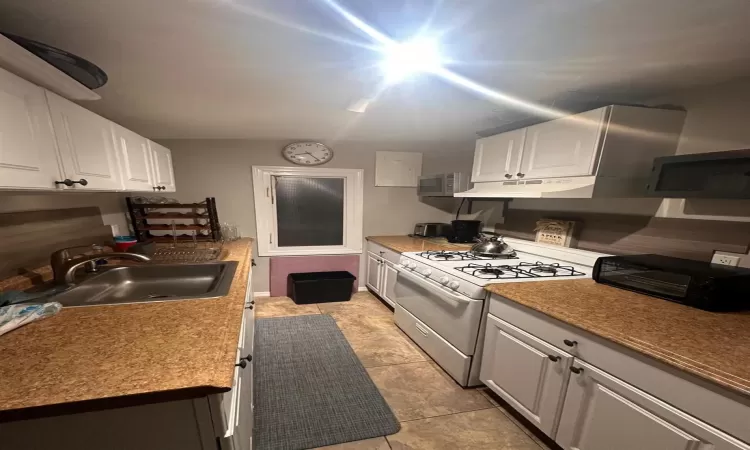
434	411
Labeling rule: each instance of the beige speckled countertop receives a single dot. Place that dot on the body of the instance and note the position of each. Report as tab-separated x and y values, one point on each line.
117	355
409	244
713	346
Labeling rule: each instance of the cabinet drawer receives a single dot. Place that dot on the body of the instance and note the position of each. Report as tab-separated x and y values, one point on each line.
383	252
710	403
448	357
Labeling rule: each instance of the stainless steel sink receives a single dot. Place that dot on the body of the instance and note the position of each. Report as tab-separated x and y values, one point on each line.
151	283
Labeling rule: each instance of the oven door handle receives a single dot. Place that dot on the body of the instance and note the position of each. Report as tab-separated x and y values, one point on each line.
430	286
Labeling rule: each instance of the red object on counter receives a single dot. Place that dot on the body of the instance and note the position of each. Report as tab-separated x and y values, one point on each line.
123	246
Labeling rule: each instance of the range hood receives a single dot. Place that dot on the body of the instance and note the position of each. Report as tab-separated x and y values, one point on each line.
571	187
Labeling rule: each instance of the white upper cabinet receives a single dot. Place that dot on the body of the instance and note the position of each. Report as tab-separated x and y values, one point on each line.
161	159
602	411
397	169
28	157
86	144
497	158
566	147
134	155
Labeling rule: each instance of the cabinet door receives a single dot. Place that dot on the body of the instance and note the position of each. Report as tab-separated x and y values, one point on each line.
496	158
135	160
527	372
86	145
388	283
28	157
565	147
373	272
163	170
602	411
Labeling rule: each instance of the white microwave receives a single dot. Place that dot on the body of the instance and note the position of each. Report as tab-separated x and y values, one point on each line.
442	184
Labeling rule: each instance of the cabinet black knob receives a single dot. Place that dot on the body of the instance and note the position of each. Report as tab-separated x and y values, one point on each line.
161	188
155	188
507	175
68	182
521	174
570	343
576	370
249	358
242	363
249	306
553	358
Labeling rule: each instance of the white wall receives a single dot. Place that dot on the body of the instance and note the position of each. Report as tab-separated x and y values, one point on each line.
717	120
222	169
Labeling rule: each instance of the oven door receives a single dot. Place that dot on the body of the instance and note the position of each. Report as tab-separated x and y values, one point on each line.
432	186
453	316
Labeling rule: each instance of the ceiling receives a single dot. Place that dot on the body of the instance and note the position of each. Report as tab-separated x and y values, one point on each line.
288	69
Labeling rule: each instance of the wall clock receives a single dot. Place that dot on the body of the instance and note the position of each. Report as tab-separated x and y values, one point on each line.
307	153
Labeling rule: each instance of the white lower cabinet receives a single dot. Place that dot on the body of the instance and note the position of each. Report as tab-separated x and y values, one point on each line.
527	372
381	273
373	272
603	412
569	397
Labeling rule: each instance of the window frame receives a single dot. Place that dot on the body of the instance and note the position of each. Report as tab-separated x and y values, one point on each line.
265	210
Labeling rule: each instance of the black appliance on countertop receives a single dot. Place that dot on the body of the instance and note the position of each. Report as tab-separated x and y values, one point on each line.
464	231
698	284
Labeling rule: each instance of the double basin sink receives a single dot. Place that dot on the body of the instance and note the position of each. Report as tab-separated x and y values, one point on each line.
151	283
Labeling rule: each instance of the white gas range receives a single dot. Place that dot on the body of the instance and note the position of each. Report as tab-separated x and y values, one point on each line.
440	296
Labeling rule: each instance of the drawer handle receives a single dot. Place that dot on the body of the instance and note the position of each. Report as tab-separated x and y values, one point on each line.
570	343
68	182
421	330
553	358
576	370
242	363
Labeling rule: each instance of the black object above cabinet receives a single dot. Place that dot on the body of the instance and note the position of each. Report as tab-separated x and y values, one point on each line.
702	175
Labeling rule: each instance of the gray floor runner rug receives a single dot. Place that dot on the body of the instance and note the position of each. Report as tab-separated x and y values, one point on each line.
310	389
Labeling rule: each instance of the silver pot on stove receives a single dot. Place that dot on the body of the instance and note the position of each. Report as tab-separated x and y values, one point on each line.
492	245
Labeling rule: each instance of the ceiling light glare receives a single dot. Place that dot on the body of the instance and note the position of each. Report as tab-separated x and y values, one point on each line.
405	59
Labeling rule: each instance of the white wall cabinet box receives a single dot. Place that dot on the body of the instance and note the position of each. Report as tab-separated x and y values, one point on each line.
397	169
613	397
45	138
527	372
381	273
28	155
134	155
565	147
606	152
498	158
162	166
215	422
86	145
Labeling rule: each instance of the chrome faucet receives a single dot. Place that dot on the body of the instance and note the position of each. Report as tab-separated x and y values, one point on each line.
64	266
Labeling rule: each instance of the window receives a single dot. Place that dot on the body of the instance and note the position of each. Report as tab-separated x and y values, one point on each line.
308	211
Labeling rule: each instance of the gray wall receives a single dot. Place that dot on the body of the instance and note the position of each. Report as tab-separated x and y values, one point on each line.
112	205
222	169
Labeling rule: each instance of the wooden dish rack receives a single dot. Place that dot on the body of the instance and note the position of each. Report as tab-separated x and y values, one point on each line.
147	217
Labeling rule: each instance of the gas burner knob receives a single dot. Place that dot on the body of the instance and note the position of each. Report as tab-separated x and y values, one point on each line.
403	262
453	285
444	281
426	272
411	265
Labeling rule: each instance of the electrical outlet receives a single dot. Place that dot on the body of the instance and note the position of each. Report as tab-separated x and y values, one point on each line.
725	260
